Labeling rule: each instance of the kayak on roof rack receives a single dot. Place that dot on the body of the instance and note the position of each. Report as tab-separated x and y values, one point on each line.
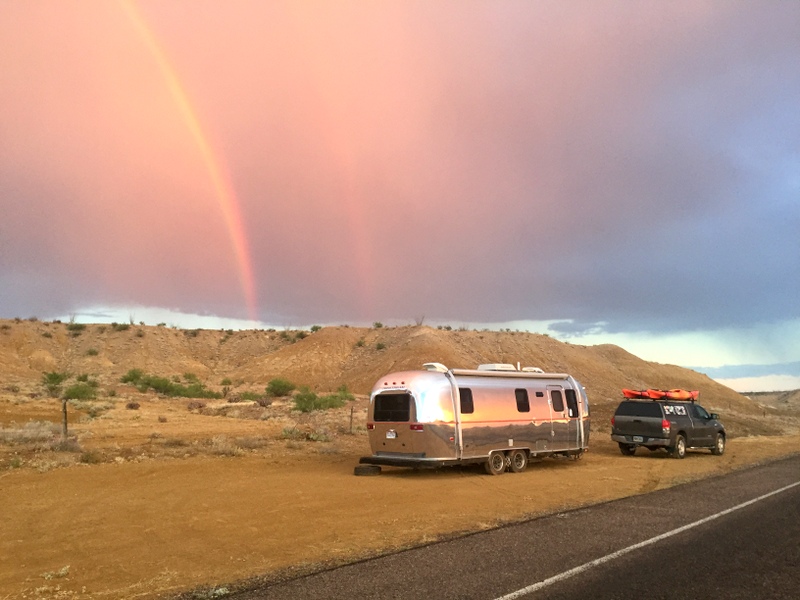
654	394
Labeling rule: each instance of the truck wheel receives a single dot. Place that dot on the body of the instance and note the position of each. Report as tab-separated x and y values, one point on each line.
719	445
679	449
519	461
363	470
627	449
496	463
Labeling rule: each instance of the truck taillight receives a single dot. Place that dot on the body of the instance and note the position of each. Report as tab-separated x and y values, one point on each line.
612	421
370	425
665	425
416	427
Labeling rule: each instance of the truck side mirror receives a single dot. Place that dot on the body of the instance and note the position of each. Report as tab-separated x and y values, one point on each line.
715	416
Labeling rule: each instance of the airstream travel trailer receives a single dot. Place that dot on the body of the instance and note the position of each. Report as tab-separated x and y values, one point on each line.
498	415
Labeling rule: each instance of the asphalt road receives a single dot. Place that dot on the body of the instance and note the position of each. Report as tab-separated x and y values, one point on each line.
752	551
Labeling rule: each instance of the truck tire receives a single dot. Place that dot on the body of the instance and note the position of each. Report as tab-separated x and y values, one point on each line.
719	445
627	449
496	463
679	449
364	470
519	461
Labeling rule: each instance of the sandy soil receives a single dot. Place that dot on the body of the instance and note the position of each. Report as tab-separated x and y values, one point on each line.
162	500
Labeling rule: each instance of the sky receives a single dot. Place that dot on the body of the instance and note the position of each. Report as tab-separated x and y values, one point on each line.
604	172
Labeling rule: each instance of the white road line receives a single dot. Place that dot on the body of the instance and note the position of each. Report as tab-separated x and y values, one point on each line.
586	566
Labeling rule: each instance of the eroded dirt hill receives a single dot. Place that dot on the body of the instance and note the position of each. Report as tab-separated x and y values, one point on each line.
334	356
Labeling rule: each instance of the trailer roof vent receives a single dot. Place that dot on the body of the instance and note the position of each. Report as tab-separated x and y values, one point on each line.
438	367
497	367
532	370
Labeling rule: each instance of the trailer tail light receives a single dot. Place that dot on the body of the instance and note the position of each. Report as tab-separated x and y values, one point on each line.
665	426
370	425
417	427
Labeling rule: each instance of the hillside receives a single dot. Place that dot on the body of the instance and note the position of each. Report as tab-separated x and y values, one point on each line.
334	356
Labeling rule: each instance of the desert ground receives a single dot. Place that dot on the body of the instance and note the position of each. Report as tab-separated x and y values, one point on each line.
184	497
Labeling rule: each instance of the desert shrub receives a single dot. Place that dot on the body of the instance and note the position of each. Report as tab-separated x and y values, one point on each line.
279	387
80	391
76	326
120	326
191	378
162	419
133	376
263	401
301	335
377	324
360	343
307	401
380	346
47	334
52	382
111	393
82	377
196	405
284	335
315	328
139	333
344	393
132	406
90	458
167	387
32	431
92	352
226	381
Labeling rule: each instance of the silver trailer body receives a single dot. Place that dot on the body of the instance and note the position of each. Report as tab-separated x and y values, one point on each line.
446	416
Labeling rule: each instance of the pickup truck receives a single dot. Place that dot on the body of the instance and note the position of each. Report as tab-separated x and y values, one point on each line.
668	424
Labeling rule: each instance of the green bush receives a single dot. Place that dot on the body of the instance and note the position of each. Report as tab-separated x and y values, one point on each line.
377	324
133	376
380	346
279	387
226	381
315	328
307	401
92	352
52	382
80	391
76	326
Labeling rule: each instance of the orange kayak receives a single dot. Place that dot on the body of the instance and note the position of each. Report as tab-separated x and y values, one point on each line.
656	394
634	393
682	394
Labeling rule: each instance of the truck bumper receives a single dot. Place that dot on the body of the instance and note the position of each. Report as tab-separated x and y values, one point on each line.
641	440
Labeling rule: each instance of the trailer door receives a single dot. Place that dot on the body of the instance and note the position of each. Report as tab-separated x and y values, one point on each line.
560	421
573	416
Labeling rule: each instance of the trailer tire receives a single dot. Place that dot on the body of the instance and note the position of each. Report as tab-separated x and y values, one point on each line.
496	463
519	460
364	470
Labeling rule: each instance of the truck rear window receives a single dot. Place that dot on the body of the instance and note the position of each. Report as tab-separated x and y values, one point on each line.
392	407
639	409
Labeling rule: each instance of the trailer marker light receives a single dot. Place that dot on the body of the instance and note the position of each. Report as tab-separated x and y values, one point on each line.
417	427
370	425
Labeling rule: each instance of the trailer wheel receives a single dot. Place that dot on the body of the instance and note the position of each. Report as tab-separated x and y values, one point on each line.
519	461
363	470
496	463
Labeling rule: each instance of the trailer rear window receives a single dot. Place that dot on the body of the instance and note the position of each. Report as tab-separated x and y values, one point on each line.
523	404
392	407
467	407
639	409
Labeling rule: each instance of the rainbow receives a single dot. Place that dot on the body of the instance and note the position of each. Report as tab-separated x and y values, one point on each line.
220	180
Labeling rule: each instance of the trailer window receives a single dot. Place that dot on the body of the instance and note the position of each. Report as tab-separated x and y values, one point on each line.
467	407
572	402
392	407
523	405
558	400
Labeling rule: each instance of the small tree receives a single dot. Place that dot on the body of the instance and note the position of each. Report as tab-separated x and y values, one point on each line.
280	387
52	382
